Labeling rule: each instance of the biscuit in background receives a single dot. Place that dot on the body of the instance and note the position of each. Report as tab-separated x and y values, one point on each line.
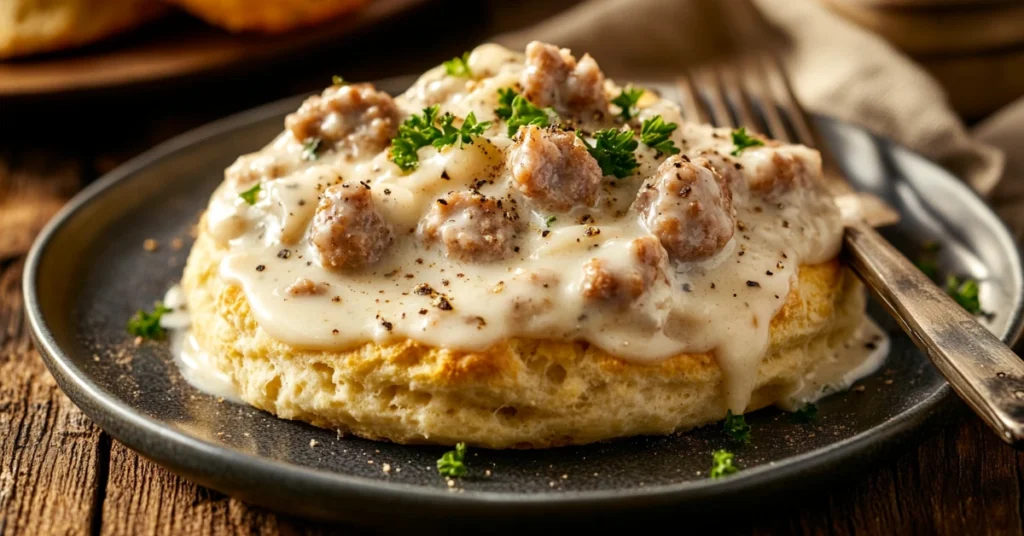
34	26
267	16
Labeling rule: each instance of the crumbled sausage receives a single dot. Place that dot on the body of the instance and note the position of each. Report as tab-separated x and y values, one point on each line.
252	168
604	283
553	77
554	169
731	171
688	206
470	227
357	116
305	287
347	230
777	171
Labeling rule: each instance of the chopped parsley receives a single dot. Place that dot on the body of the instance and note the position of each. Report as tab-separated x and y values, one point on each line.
450	464
464	134
458	66
549	220
424	129
742	140
517	111
249	196
311	148
338	81
964	292
147	325
928	261
805	414
655	134
627	101
613	150
721	464
736	427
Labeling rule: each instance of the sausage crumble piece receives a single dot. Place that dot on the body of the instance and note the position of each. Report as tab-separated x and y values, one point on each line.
780	171
348	231
357	116
470	227
688	206
305	287
605	283
553	168
554	78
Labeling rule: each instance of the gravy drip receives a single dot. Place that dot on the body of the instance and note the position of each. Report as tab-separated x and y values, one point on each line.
723	304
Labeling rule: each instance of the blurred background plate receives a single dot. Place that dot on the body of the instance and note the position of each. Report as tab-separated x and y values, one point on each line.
174	47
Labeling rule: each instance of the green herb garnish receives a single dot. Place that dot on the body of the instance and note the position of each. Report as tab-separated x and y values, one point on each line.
458	66
964	292
311	149
613	150
655	134
742	140
147	325
338	81
464	134
549	220
721	464
249	196
805	414
451	463
517	111
424	129
736	427
627	101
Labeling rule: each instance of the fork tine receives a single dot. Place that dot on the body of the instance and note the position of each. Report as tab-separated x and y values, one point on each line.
710	81
738	94
769	108
689	101
805	131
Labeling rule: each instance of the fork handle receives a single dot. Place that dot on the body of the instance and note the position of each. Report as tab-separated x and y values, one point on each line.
979	367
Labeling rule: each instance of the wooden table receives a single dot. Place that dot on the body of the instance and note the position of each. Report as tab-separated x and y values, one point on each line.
60	474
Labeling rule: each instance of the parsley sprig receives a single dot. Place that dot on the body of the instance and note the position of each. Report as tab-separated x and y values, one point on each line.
464	134
742	141
655	134
627	101
424	129
311	149
722	464
805	414
458	66
338	80
736	427
613	150
147	325
250	195
964	292
451	464
517	111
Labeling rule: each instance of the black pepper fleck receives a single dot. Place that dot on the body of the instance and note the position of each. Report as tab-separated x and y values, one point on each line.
260	268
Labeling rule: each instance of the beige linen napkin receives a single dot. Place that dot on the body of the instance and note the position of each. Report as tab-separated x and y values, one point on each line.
837	69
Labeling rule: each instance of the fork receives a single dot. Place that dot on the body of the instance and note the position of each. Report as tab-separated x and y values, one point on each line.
980	368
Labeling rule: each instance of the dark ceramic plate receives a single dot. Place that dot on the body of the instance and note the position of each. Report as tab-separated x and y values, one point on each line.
88	273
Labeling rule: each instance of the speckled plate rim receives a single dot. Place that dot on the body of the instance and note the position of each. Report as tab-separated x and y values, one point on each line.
197	459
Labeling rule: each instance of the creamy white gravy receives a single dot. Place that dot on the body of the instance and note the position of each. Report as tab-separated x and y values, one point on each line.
722	305
194	363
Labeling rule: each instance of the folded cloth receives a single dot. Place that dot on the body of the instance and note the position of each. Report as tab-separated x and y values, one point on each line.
837	69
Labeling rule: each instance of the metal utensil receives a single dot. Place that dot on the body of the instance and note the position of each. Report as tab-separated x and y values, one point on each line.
980	368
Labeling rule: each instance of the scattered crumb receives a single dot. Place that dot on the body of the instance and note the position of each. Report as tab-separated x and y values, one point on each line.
551	484
859	389
887	382
313	443
451	483
177	244
386	468
369	462
487	472
564	477
150	245
138	341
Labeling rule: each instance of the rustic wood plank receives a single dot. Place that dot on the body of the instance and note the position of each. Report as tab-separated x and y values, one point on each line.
145	499
32	188
52	458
